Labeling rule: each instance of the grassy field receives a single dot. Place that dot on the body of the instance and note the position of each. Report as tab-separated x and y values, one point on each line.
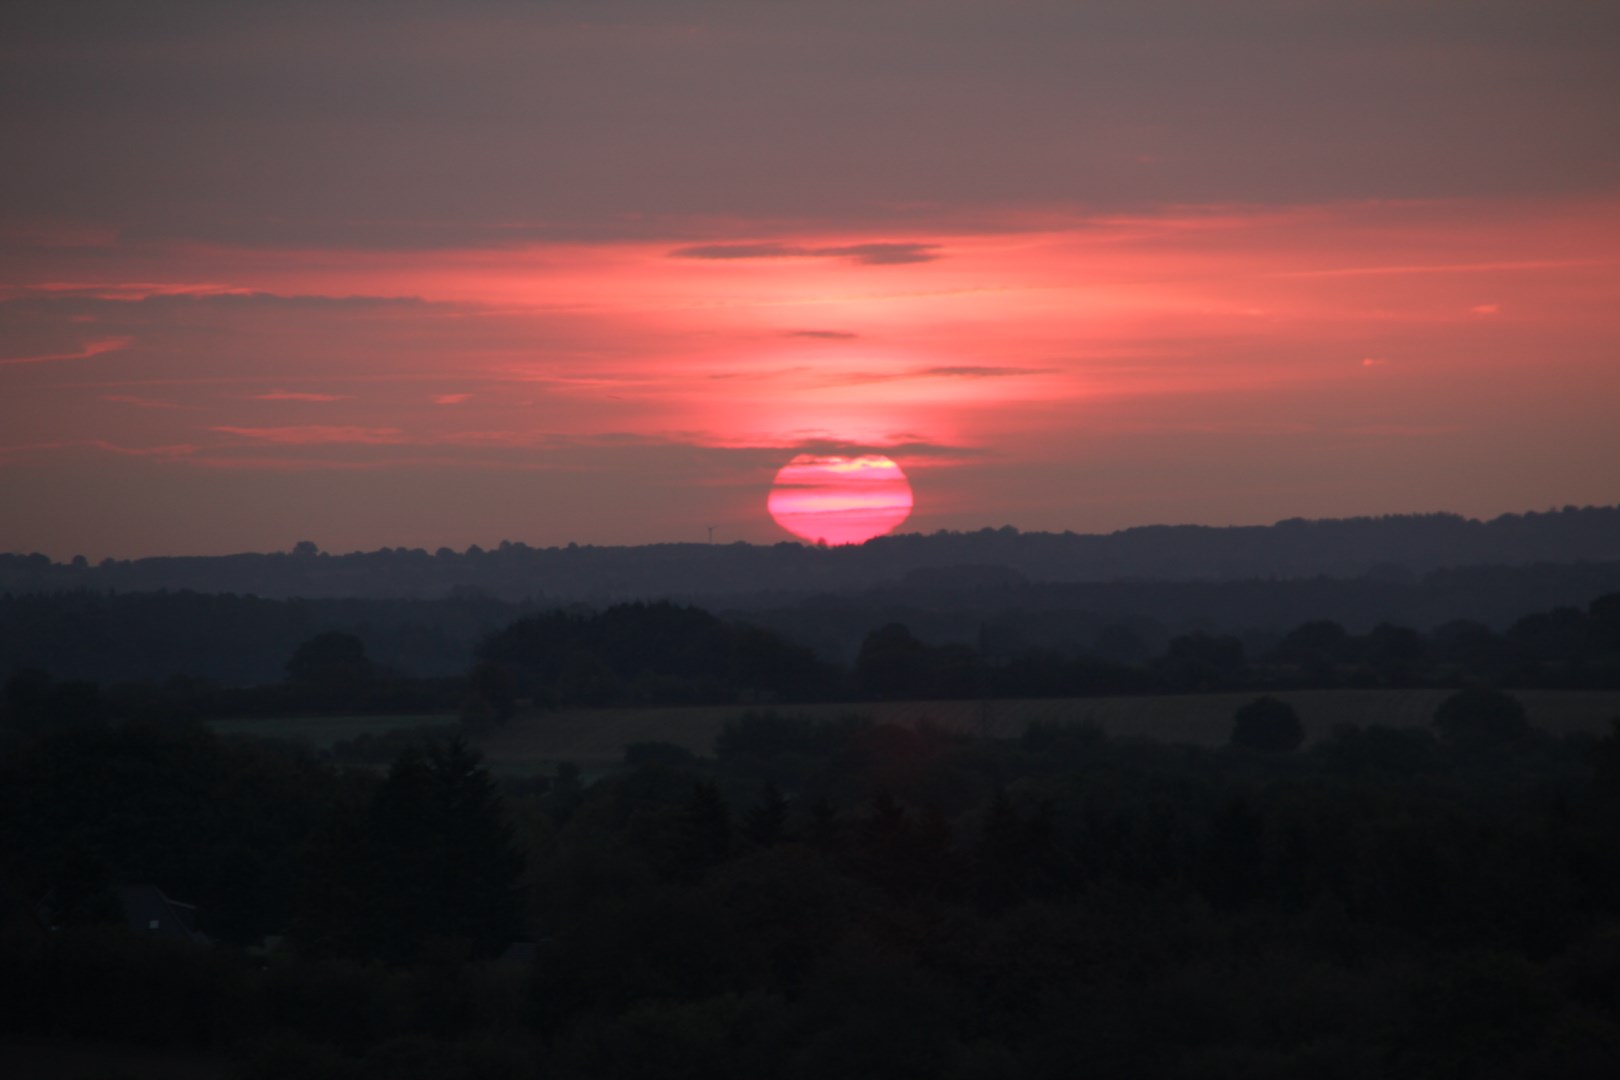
593	738
323	731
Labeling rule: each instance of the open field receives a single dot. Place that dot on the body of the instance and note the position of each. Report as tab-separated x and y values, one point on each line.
597	737
323	731
594	738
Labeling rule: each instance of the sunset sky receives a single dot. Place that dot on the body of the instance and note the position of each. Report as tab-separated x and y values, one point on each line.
420	274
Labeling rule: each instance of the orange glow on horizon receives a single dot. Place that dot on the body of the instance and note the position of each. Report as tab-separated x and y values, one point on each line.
1065	375
840	500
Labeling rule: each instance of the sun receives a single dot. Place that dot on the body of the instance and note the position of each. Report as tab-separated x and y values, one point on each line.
840	500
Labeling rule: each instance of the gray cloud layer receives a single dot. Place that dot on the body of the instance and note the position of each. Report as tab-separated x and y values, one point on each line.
488	123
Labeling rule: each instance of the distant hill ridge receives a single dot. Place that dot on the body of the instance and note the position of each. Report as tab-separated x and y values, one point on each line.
1389	548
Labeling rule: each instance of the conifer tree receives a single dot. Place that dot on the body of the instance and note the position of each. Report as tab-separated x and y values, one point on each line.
767	820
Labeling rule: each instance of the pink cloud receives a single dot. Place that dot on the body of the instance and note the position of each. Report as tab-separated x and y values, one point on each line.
169	451
130	290
94	348
1028	348
318	434
284	464
1482	267
493	438
298	395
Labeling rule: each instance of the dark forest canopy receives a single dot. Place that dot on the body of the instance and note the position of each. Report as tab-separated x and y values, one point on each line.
1391	548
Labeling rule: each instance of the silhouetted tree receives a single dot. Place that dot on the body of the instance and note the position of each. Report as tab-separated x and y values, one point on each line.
1473	647
1606	784
332	660
476	714
705	831
1234	854
1120	644
496	686
1318	638
1317	647
1267	725
1202	661
767	820
892	663
584	679
767	663
1481	717
1605	615
1002	853
1379	750
444	854
1395	652
483	865
340	893
1562	634
22	702
824	830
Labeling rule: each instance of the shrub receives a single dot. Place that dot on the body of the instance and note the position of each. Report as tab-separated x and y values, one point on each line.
1267	725
1481	716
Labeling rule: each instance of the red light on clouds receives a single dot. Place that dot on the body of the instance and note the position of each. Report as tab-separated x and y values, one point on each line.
842	500
1065	344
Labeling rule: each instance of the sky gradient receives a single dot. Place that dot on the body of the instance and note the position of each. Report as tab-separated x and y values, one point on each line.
419	274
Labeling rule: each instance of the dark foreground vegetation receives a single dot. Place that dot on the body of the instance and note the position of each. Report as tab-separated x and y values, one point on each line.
821	898
841	899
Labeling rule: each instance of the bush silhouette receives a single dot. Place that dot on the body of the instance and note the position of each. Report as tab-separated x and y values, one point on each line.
331	659
1481	716
1268	725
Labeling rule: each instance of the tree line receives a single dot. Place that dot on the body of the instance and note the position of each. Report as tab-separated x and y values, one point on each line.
244	640
670	654
1379	548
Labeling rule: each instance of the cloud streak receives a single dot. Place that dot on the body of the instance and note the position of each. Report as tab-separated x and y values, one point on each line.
317	435
94	348
871	254
971	371
298	395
